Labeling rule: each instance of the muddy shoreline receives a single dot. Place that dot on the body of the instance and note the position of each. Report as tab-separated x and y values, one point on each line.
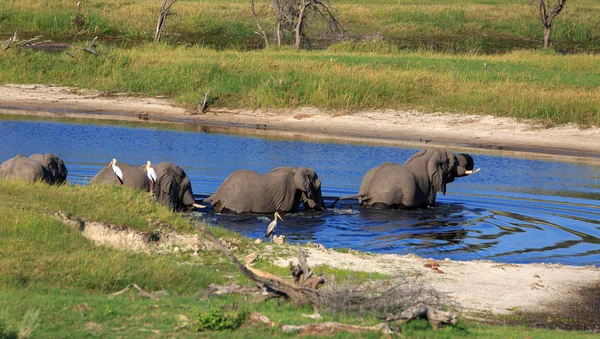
503	136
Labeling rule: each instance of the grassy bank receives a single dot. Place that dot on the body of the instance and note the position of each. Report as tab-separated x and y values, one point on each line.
549	87
448	25
412	54
55	283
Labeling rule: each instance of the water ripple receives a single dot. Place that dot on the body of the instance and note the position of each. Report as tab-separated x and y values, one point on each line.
514	210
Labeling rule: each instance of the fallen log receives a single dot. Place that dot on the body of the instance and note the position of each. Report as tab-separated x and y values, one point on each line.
332	327
270	283
435	317
325	328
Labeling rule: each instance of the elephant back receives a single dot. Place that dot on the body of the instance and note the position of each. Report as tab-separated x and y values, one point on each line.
132	176
248	191
391	185
23	168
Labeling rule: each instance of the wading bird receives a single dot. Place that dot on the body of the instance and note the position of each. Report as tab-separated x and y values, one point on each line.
117	170
151	173
272	225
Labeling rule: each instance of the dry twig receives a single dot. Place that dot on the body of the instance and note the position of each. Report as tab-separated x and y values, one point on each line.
139	289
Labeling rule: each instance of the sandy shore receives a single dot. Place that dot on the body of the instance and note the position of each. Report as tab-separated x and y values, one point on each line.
478	287
506	136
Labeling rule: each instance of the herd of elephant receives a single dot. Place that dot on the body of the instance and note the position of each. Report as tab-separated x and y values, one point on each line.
389	185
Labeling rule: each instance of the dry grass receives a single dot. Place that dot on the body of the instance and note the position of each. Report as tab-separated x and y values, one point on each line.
380	297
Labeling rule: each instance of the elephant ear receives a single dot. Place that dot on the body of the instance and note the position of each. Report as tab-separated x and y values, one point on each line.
302	180
435	170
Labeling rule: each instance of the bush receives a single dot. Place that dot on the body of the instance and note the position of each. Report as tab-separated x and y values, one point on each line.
217	319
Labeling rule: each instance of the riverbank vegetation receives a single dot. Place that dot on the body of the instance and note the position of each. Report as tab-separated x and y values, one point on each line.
428	56
56	283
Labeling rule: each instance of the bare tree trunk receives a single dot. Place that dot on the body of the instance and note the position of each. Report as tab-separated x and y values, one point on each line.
547	33
278	32
299	26
548	17
164	11
262	32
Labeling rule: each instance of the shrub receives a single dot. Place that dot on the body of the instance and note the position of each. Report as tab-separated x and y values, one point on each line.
218	319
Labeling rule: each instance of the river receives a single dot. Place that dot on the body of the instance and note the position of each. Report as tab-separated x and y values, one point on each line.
515	209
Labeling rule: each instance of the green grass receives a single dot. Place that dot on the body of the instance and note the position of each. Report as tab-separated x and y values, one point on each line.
451	26
54	283
545	86
412	54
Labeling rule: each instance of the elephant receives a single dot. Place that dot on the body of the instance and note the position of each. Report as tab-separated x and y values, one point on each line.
280	190
414	184
47	168
54	165
132	176
173	187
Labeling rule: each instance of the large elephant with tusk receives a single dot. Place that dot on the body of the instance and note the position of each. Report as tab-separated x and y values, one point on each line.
281	190
414	184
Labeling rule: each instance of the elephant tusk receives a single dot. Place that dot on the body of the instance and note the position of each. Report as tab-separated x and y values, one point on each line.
472	171
198	205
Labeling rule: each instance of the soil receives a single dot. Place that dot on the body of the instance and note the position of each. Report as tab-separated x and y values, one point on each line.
548	295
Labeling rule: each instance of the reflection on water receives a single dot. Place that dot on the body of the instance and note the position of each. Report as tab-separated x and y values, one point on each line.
514	210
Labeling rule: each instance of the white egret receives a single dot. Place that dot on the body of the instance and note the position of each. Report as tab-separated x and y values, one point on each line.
151	173
272	225
116	170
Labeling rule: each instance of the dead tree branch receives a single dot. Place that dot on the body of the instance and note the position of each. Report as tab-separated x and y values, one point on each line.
322	9
139	289
297	294
162	17
28	41
548	17
10	41
203	105
260	30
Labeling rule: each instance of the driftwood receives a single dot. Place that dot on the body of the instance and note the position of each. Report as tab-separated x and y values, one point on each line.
270	283
325	328
139	289
10	41
303	275
202	106
435	317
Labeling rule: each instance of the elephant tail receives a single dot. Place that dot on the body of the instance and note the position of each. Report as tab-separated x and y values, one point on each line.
354	196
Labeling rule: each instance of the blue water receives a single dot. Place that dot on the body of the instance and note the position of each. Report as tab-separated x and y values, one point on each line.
514	210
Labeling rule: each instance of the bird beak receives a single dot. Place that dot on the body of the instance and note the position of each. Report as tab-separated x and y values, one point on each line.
472	171
109	164
146	168
278	216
